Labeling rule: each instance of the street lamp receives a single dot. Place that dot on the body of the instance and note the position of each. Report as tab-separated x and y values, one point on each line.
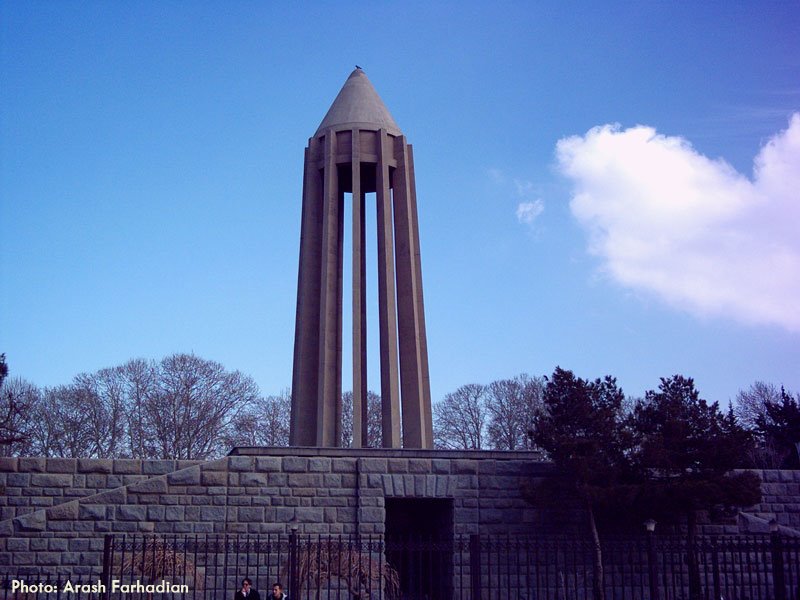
652	560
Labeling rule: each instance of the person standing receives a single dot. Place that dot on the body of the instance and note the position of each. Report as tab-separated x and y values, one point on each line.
277	592
248	592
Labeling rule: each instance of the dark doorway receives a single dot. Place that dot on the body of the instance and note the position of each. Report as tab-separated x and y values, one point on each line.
419	544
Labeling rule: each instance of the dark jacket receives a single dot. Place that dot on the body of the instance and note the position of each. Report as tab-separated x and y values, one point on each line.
253	595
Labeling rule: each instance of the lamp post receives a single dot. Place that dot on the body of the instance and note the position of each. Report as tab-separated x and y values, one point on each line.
650	527
293	526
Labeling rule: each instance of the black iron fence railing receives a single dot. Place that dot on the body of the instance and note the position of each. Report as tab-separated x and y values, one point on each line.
343	567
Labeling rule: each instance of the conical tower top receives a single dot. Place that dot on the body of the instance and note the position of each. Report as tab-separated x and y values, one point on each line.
358	105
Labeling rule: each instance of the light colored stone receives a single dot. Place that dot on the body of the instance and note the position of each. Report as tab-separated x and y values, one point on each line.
156	485
295	464
309	515
240	463
63	512
95	465
371	515
344	465
127	466
268	464
464	467
319	464
34	521
398	465
174	513
374	465
51	480
440	466
253	479
213	477
212	513
92	512
158	467
22	480
31	465
8	464
250	514
60	465
116	496
419	465
190	476
131	513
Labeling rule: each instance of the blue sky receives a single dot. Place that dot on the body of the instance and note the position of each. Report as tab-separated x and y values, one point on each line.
151	164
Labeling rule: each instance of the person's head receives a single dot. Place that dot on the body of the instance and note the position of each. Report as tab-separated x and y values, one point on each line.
277	589
246	583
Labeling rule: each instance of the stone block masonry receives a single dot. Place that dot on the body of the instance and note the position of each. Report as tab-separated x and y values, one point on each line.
57	511
31	484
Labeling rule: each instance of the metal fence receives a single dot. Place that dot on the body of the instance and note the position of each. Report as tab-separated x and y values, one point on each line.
462	568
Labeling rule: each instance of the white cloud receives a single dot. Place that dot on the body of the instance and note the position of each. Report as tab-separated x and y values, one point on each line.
528	211
528	205
666	219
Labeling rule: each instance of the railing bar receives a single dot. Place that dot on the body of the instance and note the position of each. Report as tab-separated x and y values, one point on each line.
278	565
174	559
459	542
329	566
142	563
381	566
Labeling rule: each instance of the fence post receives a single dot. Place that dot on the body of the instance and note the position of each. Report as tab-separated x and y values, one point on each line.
715	574
293	583
475	566
778	576
108	540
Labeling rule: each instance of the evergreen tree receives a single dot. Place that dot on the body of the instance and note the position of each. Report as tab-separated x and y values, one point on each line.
582	430
686	450
780	426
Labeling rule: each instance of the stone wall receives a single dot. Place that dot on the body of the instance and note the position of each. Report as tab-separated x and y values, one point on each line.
30	484
255	491
57	512
780	500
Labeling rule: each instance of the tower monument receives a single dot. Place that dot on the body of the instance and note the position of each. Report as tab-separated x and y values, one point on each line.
358	149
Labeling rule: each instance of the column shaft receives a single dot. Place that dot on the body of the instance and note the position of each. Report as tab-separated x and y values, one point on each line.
329	319
409	297
359	303
303	425
420	303
386	300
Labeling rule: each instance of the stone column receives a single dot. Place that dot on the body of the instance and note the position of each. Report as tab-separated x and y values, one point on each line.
386	299
359	302
330	314
414	385
306	348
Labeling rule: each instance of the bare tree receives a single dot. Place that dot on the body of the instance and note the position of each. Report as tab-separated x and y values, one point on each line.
195	403
102	395
459	419
265	422
139	377
374	420
59	426
512	405
17	398
750	404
